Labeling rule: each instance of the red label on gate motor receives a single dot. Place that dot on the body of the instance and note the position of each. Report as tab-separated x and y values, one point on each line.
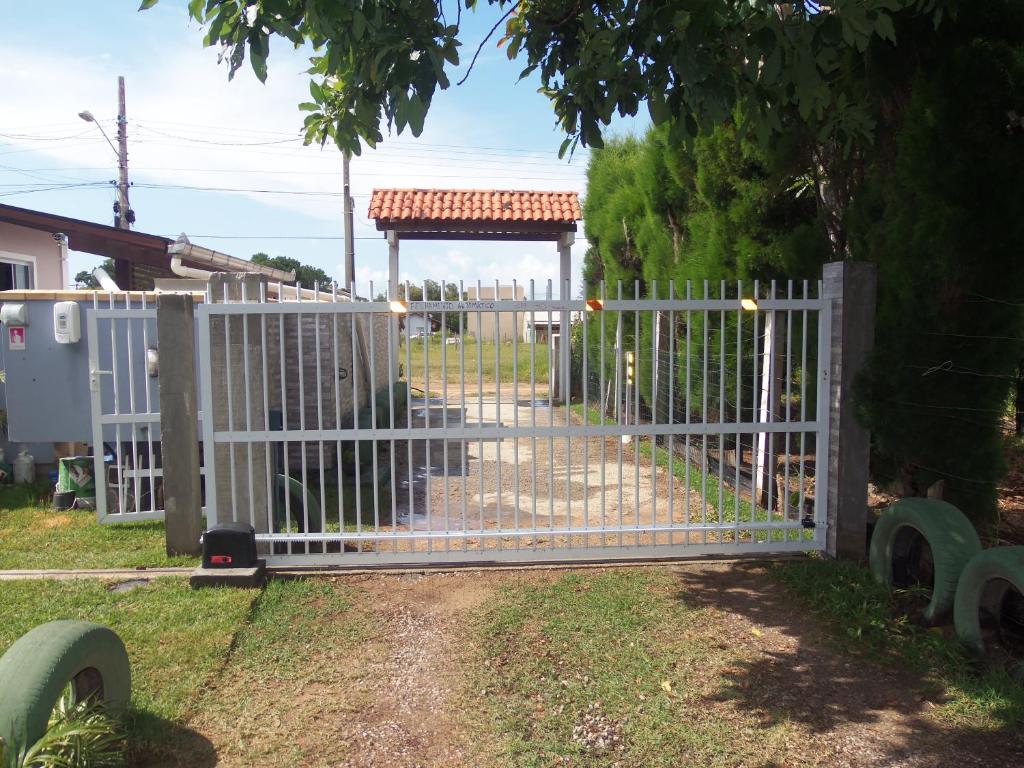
220	559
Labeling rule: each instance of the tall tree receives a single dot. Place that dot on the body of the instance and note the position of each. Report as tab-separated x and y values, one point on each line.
85	278
943	221
758	101
380	62
306	275
434	293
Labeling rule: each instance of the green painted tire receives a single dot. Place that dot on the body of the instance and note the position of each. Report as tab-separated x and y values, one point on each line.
897	551
300	494
984	585
37	667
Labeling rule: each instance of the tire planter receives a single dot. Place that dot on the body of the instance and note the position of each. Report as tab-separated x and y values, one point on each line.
991	584
918	540
299	497
36	669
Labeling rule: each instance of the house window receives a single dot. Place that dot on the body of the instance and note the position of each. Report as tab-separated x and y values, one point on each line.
15	275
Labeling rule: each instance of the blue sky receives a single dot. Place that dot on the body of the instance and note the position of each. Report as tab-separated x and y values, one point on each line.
188	126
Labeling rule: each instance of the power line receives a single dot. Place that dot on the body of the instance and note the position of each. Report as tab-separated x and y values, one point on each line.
282	237
228	138
188	187
76	143
471	163
394	142
269	172
234	143
34	173
95	185
28	137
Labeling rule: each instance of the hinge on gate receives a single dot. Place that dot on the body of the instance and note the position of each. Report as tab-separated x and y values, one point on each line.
94	379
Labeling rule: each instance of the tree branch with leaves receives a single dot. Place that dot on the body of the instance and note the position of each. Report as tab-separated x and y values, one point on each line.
378	64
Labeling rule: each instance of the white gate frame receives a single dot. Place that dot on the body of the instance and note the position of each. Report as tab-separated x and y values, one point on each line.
131	409
464	433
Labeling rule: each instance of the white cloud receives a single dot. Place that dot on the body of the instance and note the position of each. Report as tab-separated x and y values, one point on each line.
457	258
180	103
176	104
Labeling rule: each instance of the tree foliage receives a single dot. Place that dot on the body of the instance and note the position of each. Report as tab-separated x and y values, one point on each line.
85	279
694	62
431	290
657	212
931	202
306	275
784	134
944	222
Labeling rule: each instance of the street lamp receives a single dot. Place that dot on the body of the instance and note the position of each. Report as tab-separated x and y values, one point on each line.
124	216
89	118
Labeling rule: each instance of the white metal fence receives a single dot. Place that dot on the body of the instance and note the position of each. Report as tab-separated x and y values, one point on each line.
698	424
125	403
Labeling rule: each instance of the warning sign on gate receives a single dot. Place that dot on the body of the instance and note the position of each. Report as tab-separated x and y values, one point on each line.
16	338
450	306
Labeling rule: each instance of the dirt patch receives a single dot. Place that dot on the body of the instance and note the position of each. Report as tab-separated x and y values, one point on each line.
848	711
387	695
1011	497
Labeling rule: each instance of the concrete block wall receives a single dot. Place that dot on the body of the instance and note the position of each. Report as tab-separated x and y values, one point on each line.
303	382
342	390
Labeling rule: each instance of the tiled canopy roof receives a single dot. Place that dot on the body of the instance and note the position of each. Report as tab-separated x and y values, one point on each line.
476	206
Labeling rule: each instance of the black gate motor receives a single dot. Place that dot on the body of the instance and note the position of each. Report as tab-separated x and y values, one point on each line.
229	545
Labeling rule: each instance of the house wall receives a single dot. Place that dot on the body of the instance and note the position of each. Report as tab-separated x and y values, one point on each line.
48	256
416	324
505	322
47	389
340	392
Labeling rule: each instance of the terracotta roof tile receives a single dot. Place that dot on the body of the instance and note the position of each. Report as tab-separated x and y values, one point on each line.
455	205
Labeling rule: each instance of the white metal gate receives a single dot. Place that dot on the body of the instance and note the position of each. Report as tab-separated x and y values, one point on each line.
349	432
125	405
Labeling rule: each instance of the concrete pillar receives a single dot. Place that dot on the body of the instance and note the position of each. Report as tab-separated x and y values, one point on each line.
241	492
851	286
565	243
179	424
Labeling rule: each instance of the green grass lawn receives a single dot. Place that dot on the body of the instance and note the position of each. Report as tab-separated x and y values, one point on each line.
177	638
619	650
513	357
33	535
678	666
181	640
650	658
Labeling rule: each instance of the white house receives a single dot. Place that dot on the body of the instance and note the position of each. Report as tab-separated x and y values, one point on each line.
420	324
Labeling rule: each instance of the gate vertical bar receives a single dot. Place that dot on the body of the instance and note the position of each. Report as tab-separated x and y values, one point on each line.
206	381
96	401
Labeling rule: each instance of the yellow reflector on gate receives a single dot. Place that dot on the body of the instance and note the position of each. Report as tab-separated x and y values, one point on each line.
399	307
749	304
594	305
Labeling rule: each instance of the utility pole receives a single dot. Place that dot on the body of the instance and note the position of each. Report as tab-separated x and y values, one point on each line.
124	216
350	249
